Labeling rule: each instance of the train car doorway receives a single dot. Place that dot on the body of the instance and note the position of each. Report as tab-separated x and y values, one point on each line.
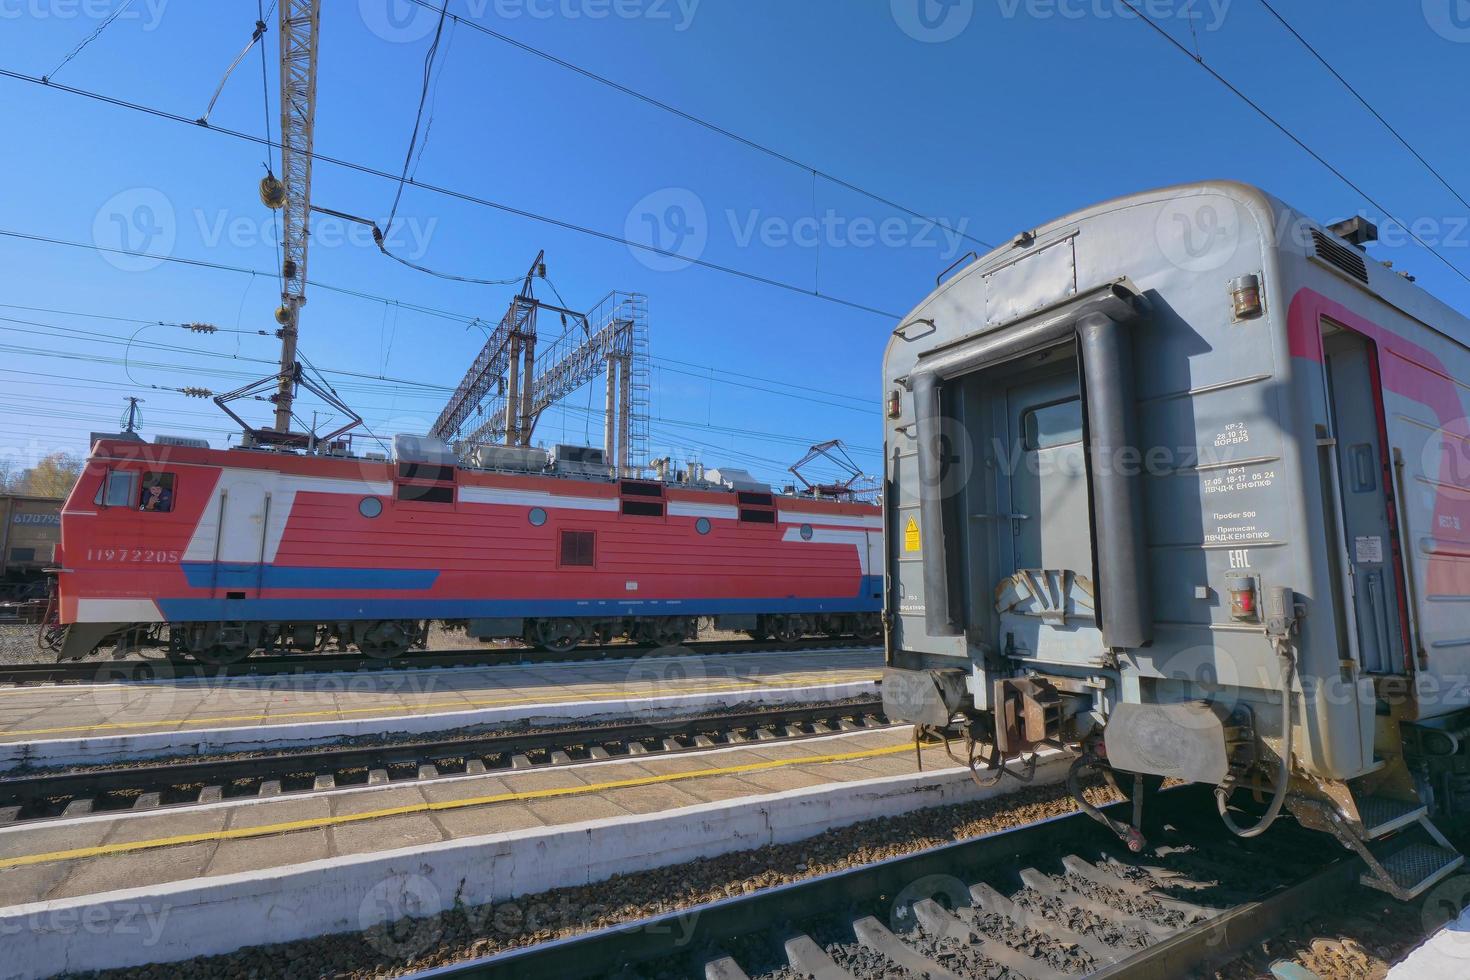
1049	519
1368	535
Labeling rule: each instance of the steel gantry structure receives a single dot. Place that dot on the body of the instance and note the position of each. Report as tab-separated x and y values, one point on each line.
510	384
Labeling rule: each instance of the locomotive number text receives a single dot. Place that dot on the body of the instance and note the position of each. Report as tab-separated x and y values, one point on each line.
131	555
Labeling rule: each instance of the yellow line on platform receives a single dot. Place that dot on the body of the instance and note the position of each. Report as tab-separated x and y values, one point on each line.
243	833
549	697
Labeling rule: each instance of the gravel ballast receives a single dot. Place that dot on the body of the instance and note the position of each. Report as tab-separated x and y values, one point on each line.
464	932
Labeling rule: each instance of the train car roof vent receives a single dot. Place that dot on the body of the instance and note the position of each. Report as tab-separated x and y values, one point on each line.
1346	260
1356	230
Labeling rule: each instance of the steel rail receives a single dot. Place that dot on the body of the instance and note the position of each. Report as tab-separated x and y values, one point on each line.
701	932
319	769
322	663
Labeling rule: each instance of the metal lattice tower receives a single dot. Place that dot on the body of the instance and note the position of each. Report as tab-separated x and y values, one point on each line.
512	382
635	307
299	23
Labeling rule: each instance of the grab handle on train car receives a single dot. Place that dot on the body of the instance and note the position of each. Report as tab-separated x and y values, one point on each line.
963	258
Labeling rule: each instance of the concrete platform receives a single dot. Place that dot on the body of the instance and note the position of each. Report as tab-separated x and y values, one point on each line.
1445	954
114	890
110	721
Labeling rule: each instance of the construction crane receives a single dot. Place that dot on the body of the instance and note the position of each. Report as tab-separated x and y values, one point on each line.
299	23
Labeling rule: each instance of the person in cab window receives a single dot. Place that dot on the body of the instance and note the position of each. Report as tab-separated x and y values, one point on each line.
157	497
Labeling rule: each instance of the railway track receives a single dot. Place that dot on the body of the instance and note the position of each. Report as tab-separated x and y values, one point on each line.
1056	899
155	785
138	669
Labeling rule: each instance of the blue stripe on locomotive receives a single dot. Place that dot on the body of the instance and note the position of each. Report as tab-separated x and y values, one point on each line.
868	599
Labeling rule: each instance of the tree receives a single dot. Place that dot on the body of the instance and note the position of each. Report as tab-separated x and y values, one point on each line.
53	476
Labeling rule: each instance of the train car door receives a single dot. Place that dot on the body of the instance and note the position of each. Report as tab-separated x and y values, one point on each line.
1049	513
1365	494
244	512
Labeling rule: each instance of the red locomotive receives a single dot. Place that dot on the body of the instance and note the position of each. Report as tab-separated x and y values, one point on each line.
216	554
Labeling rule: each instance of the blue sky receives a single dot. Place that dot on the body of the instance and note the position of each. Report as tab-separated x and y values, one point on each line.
991	115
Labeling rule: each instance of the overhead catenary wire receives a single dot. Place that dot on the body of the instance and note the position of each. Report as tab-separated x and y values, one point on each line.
1365	103
418	116
431	311
256	34
104	338
1289	134
463	318
97	32
466	197
705	123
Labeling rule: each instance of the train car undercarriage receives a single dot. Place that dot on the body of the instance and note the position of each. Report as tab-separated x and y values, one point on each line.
222	643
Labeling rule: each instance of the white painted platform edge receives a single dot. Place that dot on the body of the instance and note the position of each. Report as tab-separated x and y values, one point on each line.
203	917
307	681
1446	954
144	745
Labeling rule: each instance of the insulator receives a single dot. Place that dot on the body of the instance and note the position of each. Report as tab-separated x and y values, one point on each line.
197	392
272	192
202	327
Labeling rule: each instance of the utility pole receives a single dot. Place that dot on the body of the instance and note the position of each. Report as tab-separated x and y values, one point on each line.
132	421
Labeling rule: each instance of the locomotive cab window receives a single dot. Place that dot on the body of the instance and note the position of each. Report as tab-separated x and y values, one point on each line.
1051	425
578	549
158	492
117	489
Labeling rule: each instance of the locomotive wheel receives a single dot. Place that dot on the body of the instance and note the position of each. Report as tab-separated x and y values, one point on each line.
383	641
223	644
558	635
669	632
786	629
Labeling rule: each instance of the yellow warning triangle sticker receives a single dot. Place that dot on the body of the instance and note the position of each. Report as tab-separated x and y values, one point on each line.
911	535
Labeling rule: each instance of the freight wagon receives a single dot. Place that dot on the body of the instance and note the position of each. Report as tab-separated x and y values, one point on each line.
30	527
